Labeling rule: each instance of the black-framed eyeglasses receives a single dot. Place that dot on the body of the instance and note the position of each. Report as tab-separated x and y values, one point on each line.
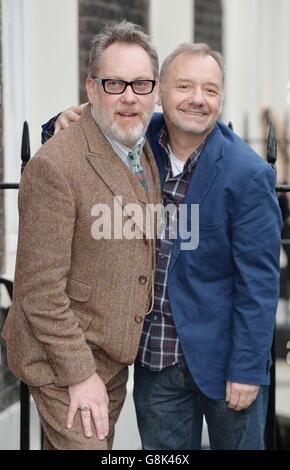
117	87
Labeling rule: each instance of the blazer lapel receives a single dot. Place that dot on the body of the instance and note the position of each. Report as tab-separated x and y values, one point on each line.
201	180
110	168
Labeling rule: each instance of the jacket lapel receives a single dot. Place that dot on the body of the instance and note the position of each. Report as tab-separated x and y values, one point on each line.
110	168
201	180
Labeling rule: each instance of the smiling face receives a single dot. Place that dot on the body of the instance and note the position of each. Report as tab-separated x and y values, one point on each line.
123	117
191	94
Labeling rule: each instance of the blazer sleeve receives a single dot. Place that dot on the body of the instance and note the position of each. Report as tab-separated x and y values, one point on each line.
256	241
47	214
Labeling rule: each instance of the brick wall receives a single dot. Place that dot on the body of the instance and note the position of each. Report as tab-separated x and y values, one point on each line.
208	22
93	14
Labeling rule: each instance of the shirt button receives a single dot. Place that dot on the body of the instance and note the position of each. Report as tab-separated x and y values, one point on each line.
138	318
142	280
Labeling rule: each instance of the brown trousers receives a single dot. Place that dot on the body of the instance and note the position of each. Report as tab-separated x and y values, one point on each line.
52	405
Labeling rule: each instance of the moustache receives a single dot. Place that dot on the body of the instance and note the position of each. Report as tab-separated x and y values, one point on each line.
128	111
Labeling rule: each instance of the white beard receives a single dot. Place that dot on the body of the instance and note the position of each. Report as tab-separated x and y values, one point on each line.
124	137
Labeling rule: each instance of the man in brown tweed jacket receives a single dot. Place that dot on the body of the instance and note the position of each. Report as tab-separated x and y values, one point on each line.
79	299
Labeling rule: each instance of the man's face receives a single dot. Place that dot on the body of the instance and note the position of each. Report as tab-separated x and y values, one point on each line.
123	117
191	94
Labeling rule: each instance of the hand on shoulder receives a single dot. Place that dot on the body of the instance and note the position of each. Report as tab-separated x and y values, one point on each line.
69	116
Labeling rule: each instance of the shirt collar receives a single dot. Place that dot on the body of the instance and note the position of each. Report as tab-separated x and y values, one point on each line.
163	140
121	150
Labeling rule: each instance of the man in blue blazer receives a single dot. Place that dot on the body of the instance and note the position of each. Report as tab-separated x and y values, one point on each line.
205	347
221	297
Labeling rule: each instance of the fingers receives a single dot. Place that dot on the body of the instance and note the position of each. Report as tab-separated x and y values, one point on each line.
233	398
64	120
82	107
68	116
101	421
243	401
86	420
71	414
60	124
228	391
91	398
240	396
99	415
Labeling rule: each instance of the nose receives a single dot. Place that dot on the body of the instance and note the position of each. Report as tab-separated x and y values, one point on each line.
128	96
197	96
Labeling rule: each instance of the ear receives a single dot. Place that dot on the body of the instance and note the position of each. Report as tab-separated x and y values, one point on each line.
90	87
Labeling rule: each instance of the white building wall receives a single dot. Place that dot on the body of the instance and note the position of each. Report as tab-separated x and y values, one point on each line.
242	49
171	22
52	60
40	77
257	51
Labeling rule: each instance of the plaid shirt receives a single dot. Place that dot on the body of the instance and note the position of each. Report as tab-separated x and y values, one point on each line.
160	346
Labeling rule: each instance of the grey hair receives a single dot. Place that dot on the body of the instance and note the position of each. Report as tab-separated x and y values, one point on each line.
195	49
124	32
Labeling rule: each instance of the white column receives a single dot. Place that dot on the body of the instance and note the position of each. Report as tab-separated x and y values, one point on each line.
52	60
257	52
171	22
242	50
14	113
40	78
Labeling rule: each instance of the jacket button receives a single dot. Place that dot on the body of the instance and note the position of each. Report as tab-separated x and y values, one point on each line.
138	318
142	280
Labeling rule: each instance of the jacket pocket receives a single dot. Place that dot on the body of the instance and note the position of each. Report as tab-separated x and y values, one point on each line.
78	290
84	319
79	294
214	229
214	225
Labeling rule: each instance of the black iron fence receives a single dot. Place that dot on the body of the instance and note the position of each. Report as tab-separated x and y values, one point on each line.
24	393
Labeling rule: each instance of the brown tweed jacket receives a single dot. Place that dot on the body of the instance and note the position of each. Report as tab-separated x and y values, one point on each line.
78	302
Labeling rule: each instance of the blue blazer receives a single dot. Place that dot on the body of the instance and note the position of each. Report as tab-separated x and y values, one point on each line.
224	293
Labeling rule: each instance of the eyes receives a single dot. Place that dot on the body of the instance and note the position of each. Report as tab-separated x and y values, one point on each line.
207	90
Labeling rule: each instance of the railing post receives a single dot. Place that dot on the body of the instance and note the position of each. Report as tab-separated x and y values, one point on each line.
25	146
270	431
24	392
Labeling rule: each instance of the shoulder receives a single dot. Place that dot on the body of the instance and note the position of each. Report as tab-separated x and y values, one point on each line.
71	138
61	151
239	156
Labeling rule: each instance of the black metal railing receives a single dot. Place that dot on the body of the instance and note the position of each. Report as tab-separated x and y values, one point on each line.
276	427
24	392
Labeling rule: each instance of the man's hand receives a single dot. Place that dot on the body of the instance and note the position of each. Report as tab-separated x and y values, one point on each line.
241	396
90	394
68	116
